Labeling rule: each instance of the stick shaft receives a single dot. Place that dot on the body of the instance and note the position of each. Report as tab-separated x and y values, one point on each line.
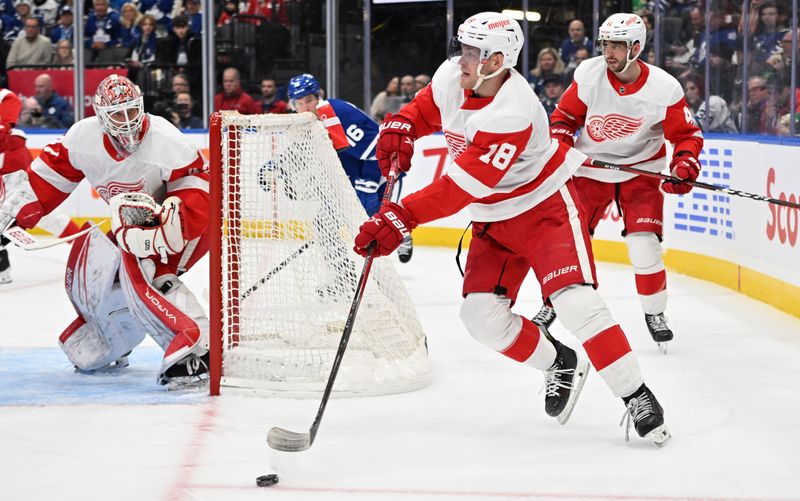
698	184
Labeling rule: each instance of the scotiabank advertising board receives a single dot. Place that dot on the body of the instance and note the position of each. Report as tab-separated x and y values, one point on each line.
757	235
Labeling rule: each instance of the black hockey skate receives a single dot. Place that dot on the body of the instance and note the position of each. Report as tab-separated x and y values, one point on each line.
545	317
190	372
563	382
645	413
406	249
5	266
657	325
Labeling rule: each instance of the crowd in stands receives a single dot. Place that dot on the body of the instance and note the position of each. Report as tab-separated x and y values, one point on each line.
766	65
754	57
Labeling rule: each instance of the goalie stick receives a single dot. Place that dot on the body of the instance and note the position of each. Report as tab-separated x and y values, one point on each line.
28	242
285	440
698	184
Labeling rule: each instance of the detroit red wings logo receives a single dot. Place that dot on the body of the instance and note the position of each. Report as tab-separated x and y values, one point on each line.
456	143
612	127
115	188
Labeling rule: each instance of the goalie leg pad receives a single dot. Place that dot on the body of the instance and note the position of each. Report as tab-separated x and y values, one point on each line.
488	318
174	318
104	330
98	343
91	272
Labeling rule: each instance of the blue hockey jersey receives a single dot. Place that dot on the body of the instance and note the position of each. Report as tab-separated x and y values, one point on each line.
358	154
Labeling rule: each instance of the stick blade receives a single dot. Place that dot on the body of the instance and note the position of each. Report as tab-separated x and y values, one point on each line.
288	441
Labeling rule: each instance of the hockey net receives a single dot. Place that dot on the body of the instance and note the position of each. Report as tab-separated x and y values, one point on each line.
283	272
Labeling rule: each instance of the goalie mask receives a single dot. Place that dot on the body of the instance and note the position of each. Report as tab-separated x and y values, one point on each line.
119	106
627	28
490	32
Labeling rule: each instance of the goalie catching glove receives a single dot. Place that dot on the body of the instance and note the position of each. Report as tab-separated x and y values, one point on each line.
387	229
143	228
684	166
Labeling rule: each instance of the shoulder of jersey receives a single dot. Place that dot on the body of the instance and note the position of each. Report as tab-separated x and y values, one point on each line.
515	95
445	73
85	132
590	70
663	79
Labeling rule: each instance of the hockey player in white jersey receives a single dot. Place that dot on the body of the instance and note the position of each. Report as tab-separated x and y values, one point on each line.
125	285
627	110
516	182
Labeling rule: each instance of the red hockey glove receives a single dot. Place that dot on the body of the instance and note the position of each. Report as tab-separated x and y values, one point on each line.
397	135
387	229
562	134
684	166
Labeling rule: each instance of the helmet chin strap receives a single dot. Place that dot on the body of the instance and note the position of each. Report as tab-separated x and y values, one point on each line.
481	77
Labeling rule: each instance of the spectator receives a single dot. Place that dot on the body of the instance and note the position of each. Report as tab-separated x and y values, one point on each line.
143	48
762	107
31	116
421	81
178	48
195	16
407	88
161	10
102	27
719	116
65	28
162	109
378	108
63	53
650	25
33	48
577	39
56	110
14	25
270	102
767	37
180	83
46	11
184	104
230	9
547	63
553	88
233	97
782	66
691	37
581	55
264	8
129	24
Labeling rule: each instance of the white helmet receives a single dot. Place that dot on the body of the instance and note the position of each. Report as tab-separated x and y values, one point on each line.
490	32
628	28
119	106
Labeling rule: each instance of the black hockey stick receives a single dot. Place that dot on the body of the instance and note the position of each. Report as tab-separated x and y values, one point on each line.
282	439
698	184
283	264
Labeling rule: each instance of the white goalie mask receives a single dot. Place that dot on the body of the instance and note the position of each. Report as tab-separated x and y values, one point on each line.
490	32
628	28
119	106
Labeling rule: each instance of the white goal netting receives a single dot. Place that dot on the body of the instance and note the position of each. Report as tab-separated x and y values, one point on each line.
288	272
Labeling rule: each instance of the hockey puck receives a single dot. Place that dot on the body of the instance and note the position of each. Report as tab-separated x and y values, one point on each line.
267	480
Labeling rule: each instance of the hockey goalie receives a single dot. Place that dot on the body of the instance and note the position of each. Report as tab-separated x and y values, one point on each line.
126	285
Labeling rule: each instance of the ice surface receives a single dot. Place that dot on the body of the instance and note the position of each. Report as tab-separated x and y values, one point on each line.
729	387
